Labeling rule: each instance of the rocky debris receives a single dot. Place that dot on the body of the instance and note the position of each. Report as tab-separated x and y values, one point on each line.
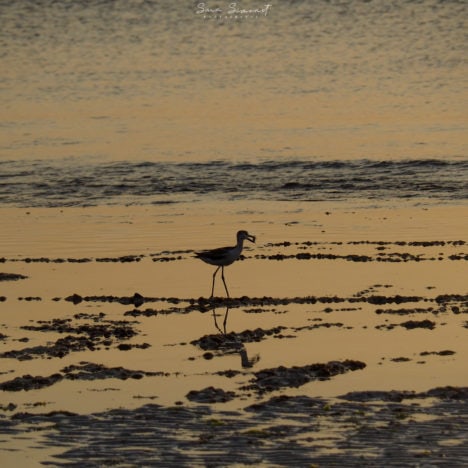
123	259
435	243
292	405
443	393
210	395
390	257
91	371
230	373
220	341
207	304
457	303
51	260
80	337
411	324
137	299
59	349
458	257
100	327
29	382
382	251
83	371
448	393
446	298
128	346
377	395
268	380
75	298
282	431
391	299
415	310
141	313
319	325
11	277
167	259
9	407
445	352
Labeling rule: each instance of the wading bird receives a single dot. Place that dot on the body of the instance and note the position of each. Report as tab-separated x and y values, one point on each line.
224	256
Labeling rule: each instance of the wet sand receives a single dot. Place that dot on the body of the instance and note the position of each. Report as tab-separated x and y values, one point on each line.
344	342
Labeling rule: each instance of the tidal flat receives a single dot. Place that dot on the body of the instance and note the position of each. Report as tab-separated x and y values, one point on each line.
333	347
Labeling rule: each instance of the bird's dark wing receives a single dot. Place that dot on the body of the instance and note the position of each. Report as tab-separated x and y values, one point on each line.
214	253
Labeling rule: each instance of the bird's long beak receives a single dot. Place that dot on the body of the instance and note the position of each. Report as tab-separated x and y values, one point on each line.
251	238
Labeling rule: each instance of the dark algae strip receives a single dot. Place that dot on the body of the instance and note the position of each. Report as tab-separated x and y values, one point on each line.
395	428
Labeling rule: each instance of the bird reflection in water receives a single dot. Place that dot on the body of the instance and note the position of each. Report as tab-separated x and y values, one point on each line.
231	343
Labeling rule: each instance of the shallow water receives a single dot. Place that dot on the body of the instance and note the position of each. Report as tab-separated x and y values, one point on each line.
153	81
287	267
133	133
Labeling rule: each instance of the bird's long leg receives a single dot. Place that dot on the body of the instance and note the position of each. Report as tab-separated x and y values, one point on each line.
222	276
214	276
225	319
216	322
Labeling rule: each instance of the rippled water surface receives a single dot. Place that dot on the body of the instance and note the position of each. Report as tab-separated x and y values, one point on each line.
46	184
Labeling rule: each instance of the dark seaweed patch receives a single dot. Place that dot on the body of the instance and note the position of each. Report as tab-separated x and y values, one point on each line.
210	395
80	337
220	341
83	371
368	429
11	277
268	380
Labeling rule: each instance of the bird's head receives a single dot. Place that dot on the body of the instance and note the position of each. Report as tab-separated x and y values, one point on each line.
244	235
